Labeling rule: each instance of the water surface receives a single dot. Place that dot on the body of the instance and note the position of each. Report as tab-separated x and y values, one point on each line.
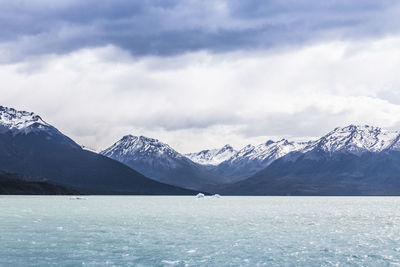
185	231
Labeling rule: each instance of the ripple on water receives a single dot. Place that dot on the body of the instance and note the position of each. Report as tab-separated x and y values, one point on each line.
182	231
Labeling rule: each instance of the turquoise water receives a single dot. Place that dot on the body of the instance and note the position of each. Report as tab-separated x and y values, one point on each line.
185	231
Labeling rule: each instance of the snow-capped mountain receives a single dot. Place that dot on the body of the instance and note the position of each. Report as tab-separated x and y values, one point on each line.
20	121
357	140
252	159
352	160
16	122
212	156
31	147
160	162
144	148
268	151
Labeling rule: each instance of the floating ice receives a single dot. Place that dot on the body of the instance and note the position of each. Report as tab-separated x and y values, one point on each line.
200	195
217	196
170	262
77	198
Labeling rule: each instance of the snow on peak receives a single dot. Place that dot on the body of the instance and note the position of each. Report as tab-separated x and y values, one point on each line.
23	122
131	147
357	139
20	121
268	151
212	156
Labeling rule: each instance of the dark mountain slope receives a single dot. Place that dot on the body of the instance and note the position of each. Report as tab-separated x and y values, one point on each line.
31	147
353	160
338	174
13	184
159	161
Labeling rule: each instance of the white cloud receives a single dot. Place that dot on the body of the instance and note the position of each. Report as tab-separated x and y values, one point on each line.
200	100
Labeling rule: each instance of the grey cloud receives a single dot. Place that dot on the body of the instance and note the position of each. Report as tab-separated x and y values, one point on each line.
392	96
309	122
173	27
175	121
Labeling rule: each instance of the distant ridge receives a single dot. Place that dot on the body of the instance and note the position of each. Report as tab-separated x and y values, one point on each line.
353	160
212	157
251	159
161	162
31	147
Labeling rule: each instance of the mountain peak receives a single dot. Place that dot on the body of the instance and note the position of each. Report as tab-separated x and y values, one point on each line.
355	127
139	140
269	142
357	139
131	146
23	122
212	156
128	137
160	162
267	151
227	146
284	141
148	139
20	121
253	158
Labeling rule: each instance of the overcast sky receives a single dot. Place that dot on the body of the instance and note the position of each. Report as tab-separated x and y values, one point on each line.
199	74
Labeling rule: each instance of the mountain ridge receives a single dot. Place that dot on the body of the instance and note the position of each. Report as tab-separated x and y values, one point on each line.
253	158
212	156
355	155
158	160
351	160
31	147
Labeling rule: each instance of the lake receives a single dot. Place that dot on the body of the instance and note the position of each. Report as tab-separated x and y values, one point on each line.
186	231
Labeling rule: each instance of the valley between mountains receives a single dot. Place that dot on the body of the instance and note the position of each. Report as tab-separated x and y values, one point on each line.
351	160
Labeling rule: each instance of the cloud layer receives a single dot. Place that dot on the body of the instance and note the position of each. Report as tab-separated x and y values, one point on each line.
200	74
166	28
202	99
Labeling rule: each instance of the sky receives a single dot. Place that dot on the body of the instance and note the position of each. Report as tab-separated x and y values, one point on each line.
201	74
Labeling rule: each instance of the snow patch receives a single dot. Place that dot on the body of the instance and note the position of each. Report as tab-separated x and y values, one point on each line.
212	156
265	153
132	147
21	121
357	140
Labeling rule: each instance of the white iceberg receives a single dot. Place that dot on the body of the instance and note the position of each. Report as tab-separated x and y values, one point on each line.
77	198
217	196
200	195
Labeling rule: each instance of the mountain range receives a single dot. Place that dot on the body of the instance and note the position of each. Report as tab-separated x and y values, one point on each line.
162	163
351	160
354	160
212	157
252	159
31	147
